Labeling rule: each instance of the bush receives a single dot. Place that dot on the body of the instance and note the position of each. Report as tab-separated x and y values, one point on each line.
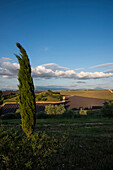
94	113
82	112
56	92
70	114
54	109
60	98
11	116
19	152
107	110
18	111
41	115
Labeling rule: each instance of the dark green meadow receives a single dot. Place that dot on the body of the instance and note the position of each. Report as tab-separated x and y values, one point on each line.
58	143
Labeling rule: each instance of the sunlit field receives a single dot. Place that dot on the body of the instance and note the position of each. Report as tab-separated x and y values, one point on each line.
100	94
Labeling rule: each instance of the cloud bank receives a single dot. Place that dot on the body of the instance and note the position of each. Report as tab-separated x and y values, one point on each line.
50	70
102	65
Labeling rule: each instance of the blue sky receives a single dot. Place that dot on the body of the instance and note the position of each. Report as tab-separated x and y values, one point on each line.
69	42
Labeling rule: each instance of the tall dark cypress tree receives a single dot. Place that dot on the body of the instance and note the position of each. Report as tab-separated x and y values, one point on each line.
27	103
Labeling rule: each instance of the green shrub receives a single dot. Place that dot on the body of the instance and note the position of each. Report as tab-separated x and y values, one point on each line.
107	110
70	114
50	92
60	98
56	92
41	115
18	152
94	113
55	109
18	111
83	112
11	116
44	99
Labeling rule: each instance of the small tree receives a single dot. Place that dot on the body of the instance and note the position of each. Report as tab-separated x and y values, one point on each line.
107	109
55	109
27	103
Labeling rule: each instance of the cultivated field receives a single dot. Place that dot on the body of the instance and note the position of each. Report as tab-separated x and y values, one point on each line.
100	94
93	99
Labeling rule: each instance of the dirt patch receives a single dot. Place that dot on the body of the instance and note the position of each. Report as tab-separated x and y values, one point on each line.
77	102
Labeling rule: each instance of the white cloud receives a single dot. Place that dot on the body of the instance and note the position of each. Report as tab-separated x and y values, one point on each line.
8	69
42	72
109	71
102	65
77	69
4	58
54	66
48	71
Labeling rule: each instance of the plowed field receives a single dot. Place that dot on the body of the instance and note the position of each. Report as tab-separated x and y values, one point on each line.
72	102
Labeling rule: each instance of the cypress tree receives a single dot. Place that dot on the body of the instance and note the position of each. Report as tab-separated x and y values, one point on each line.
27	103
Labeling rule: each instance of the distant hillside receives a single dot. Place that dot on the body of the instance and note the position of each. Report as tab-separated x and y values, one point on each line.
44	88
49	96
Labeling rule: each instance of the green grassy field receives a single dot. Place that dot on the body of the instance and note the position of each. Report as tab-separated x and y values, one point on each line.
80	143
100	94
13	99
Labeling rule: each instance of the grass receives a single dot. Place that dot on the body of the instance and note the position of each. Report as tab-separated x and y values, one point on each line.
100	94
80	143
13	99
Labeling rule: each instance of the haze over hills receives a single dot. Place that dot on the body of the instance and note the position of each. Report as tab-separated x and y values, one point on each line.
55	87
63	88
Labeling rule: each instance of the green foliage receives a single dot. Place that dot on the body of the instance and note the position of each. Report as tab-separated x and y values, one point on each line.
107	110
70	114
82	143
0	94
83	112
27	103
19	152
17	97
55	109
49	96
94	114
18	111
50	91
